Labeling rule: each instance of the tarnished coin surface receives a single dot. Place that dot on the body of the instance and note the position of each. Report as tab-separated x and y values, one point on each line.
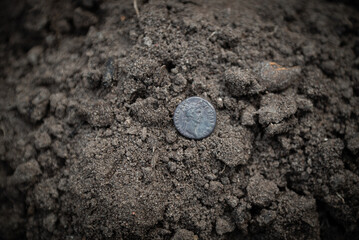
195	118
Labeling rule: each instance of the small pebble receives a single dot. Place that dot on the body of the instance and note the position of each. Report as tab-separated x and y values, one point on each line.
274	77
109	73
220	102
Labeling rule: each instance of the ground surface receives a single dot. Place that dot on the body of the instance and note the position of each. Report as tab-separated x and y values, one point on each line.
88	148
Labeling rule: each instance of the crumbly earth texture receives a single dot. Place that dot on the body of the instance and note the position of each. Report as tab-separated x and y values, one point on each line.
88	148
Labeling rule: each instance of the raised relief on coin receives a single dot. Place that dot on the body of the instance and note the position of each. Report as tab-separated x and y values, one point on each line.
195	118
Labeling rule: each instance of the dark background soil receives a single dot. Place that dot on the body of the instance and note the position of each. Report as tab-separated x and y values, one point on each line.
88	149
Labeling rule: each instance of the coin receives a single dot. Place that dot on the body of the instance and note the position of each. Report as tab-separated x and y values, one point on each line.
195	118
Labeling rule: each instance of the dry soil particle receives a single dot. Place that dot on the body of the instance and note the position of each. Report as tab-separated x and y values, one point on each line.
33	103
261	192
88	149
98	113
183	234
25	173
293	213
241	82
224	225
274	108
234	147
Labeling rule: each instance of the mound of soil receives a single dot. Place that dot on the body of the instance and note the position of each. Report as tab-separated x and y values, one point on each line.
88	148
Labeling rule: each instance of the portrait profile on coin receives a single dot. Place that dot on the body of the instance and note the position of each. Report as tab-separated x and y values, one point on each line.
195	118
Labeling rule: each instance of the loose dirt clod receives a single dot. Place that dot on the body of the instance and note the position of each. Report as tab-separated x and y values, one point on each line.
42	140
274	108
224	226
248	114
353	143
25	172
241	82
83	18
261	192
234	148
183	234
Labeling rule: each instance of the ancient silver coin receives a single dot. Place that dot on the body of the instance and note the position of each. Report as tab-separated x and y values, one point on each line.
195	118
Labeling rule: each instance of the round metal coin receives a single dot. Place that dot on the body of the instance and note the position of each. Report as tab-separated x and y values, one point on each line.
195	118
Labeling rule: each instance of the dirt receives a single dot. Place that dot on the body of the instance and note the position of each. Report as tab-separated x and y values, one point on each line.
88	148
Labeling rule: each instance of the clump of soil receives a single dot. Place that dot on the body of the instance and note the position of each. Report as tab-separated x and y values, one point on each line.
88	148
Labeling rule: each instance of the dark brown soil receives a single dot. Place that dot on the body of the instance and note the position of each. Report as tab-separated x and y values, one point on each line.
88	148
